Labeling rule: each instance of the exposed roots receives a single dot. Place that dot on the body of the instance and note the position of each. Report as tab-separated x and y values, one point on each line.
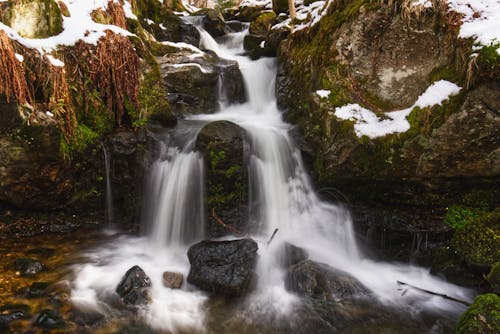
60	101
471	69
115	10
13	82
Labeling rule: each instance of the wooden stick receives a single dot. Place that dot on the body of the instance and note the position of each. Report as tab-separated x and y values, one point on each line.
272	236
436	293
227	227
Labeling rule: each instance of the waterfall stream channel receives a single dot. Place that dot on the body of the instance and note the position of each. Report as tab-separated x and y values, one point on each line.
282	198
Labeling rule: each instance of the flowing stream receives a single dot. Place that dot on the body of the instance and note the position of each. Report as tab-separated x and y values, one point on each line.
281	197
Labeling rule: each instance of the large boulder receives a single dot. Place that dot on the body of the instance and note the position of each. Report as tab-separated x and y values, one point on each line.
223	267
134	287
320	281
481	317
222	144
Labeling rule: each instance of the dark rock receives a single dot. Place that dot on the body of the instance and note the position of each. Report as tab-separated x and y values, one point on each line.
124	142
222	145
86	317
11	118
292	254
223	267
172	280
320	281
28	267
257	47
189	34
213	22
280	6
59	293
37	289
193	84
235	26
49	319
134	287
9	315
249	13
66	227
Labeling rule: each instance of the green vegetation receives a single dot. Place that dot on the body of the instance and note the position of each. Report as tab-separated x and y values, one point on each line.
494	277
458	216
482	317
478	242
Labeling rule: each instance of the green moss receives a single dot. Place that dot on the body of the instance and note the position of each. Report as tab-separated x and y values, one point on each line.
494	277
478	242
152	101
488	64
82	138
216	157
262	24
458	216
482	317
34	19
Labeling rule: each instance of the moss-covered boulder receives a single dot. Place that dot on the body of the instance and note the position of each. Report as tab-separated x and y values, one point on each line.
482	317
33	18
494	278
222	145
262	24
478	242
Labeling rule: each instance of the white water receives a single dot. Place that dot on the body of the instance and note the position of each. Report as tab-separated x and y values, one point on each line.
281	197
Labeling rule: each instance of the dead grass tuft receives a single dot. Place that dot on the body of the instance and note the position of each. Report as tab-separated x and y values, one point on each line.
13	82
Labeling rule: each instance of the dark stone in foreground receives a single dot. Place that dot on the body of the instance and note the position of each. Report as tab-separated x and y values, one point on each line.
292	254
49	319
134	287
223	267
9	316
320	281
27	266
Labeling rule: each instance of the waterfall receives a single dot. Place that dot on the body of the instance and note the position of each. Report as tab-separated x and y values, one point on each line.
108	209
281	197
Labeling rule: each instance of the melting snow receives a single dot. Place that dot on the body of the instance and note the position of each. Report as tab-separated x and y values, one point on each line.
18	56
369	124
54	61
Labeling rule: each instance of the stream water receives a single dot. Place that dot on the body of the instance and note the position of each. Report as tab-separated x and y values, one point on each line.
281	197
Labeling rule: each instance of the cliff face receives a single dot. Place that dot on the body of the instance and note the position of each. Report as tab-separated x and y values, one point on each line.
374	61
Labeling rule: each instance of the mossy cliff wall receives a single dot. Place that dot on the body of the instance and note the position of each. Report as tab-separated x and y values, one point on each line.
383	57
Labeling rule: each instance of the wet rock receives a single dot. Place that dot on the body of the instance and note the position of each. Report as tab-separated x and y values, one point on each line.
10	313
257	47
193	82
213	22
28	266
262	24
63	228
320	281
222	145
134	287
49	319
292	254
189	34
235	26
223	267
59	293
172	280
86	317
37	289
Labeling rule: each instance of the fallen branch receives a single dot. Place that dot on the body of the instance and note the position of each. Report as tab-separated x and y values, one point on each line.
435	293
272	236
227	227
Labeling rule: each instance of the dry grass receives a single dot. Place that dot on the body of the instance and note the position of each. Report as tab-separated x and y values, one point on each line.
13	81
118	18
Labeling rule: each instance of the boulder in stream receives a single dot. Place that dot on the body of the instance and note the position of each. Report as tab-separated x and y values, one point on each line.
28	266
172	280
320	281
223	267
134	287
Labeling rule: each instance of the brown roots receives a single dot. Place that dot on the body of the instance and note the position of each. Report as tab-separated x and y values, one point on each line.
13	82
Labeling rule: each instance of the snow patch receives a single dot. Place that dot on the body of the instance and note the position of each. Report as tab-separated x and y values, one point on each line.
54	61
369	124
323	93
17	55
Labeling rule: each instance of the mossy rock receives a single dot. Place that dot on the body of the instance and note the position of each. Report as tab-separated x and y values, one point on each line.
478	242
34	18
494	278
222	145
262	24
482	317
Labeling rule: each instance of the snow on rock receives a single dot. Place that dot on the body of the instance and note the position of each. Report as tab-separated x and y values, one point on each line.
78	26
54	61
481	20
369	124
323	93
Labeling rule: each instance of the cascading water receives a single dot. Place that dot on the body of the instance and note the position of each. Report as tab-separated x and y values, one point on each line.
109	191
281	197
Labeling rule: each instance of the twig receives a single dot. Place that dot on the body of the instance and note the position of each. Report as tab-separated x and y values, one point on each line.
228	227
272	236
435	293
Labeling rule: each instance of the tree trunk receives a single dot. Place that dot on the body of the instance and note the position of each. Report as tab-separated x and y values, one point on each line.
291	8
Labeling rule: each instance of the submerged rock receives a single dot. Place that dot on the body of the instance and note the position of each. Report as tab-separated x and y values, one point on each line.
223	267
172	280
320	281
134	287
28	266
49	319
10	314
292	254
222	145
